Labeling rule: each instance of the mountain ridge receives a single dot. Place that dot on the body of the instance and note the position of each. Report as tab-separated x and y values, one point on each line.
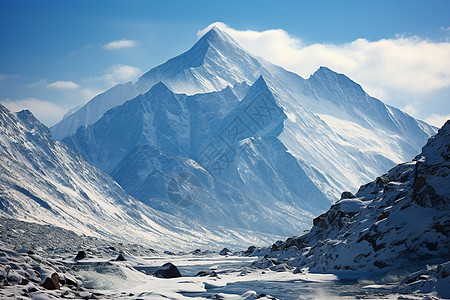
43	181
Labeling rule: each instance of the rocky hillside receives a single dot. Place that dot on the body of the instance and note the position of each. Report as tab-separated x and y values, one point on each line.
400	221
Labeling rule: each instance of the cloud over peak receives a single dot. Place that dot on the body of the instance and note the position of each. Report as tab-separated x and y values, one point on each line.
119	44
396	69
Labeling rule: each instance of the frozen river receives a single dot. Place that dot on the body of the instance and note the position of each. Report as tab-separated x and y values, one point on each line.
235	278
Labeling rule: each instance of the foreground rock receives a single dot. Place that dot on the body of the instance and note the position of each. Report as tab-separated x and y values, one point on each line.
24	275
168	270
80	255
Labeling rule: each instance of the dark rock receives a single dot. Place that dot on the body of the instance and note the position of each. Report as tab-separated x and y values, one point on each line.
249	251
81	255
120	258
24	281
225	251
167	270
274	248
52	282
196	252
381	181
320	221
380	264
213	274
347	195
30	252
202	274
383	215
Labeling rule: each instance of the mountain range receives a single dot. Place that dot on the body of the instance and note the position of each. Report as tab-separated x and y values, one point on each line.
222	143
43	181
267	147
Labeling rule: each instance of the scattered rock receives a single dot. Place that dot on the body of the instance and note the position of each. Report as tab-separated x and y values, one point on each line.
167	270
120	258
52	282
249	251
225	251
204	274
81	255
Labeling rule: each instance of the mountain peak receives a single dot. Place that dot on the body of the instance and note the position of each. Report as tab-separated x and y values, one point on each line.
218	40
437	149
215	35
159	87
325	71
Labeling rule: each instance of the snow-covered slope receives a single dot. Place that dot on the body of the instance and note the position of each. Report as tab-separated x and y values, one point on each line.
341	136
43	181
242	175
400	221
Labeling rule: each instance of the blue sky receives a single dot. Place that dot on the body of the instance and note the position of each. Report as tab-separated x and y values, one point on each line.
56	55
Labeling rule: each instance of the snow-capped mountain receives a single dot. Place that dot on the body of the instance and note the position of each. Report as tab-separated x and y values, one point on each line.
44	181
246	178
340	135
400	221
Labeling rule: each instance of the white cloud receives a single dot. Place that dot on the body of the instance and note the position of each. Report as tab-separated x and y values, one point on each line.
63	85
406	64
412	109
119	44
119	74
408	72
47	112
437	120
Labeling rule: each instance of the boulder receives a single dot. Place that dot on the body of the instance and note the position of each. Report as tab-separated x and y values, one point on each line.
52	282
120	258
81	255
167	270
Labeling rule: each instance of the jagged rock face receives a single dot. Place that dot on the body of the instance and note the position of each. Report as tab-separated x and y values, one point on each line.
398	221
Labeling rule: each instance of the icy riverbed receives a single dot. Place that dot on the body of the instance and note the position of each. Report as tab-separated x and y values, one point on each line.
236	279
103	274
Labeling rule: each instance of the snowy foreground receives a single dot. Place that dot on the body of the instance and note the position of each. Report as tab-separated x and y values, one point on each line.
107	273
